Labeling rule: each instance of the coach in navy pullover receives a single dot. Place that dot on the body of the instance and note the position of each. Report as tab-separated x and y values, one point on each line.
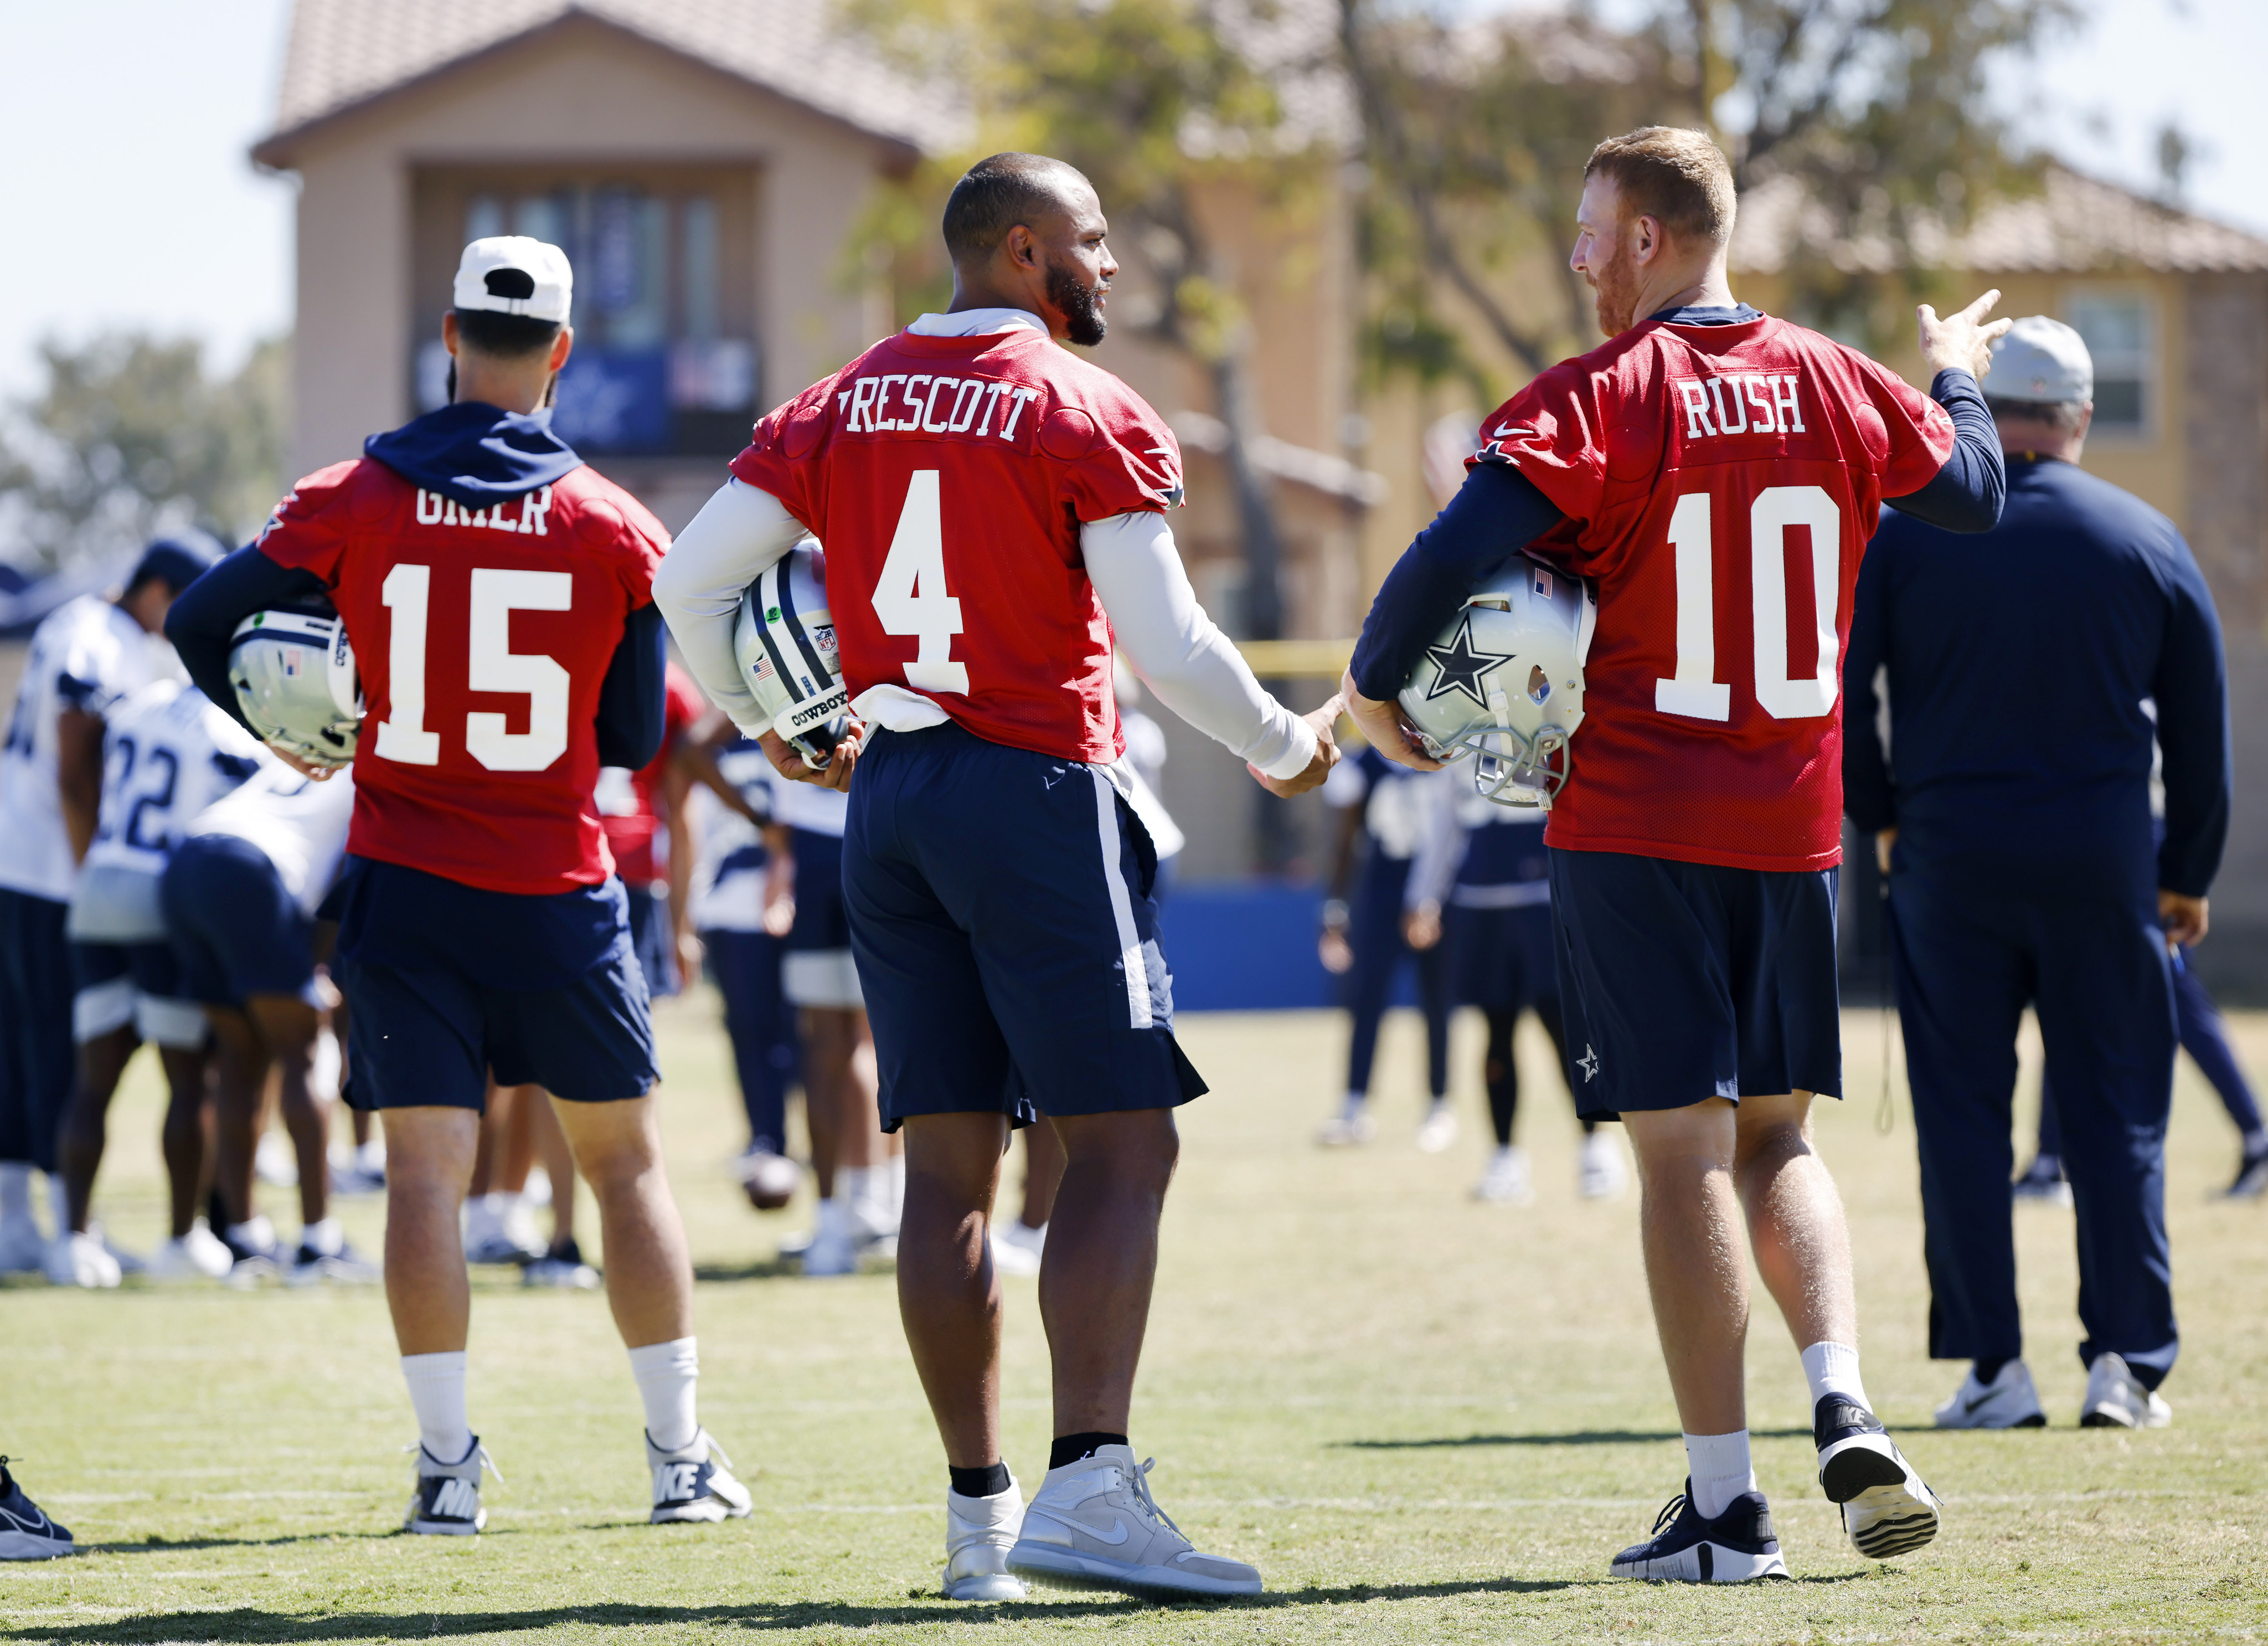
2029	672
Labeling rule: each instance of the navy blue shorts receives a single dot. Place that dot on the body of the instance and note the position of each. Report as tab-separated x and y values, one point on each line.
37	1061
822	922
1681	982
1501	960
653	940
1000	910
151	968
237	928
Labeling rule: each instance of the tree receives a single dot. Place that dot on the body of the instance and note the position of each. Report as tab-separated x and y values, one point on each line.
1158	102
131	437
1876	111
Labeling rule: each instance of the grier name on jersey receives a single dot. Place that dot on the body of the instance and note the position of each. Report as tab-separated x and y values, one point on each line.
918	403
1746	402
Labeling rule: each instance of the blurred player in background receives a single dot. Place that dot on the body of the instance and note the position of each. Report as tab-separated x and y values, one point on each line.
991	508
85	656
475	559
651	839
1391	811
168	754
1693	844
2013	808
240	895
741	954
1480	891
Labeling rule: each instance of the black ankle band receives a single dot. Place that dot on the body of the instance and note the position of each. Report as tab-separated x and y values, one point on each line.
1072	1448
1987	1370
989	1482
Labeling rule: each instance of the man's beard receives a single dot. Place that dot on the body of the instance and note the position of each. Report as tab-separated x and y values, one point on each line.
1615	288
1082	311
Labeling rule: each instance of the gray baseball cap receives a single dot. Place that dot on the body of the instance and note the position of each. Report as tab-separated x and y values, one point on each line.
2041	360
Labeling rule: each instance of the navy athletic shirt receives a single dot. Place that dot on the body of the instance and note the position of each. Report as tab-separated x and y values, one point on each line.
2018	665
1498	511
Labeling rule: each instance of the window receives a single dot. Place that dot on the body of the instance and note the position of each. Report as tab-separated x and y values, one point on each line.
2119	332
664	360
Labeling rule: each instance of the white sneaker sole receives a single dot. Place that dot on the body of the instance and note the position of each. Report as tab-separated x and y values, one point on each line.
1986	1417
2115	1414
1887	1509
24	1546
1704	1562
1053	1567
448	1528
985	1586
709	1509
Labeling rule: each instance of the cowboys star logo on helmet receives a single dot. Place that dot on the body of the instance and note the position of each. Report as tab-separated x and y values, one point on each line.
1503	683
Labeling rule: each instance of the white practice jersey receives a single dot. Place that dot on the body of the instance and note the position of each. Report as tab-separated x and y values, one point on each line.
86	655
299	823
169	753
728	884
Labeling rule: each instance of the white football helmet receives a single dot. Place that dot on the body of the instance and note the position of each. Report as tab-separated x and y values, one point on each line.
1503	683
295	680
783	640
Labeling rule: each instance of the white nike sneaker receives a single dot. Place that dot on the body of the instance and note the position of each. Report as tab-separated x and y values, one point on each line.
1887	1508
23	1248
1439	1129
199	1255
80	1260
1011	1253
446	1501
1094	1525
979	1531
1601	1172
1507	1182
275	1162
2009	1401
695	1482
2116	1398
1351	1130
25	1531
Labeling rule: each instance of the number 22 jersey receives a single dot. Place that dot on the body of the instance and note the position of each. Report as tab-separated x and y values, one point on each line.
1720	482
482	637
948	478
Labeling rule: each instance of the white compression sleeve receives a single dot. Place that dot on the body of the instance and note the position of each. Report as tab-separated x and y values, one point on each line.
738	531
1177	650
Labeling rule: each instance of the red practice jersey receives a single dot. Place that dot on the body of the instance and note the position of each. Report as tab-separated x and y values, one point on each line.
631	826
1721	483
482	637
948	478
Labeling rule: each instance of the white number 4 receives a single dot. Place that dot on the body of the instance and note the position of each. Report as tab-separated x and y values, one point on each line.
1694	690
911	596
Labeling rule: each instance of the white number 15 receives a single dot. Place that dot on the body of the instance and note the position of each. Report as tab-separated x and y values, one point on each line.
1694	690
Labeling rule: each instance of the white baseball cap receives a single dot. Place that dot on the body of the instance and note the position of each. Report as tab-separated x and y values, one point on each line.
511	274
2041	360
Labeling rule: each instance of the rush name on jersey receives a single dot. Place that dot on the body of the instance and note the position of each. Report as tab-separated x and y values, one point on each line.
948	478
482	637
1719	485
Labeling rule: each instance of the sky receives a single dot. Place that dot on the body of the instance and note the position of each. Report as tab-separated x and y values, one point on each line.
125	125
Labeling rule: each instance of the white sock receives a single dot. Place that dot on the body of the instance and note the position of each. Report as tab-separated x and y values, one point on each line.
15	1191
323	1238
897	1183
436	1394
854	1194
1719	1467
257	1233
666	1374
1833	1369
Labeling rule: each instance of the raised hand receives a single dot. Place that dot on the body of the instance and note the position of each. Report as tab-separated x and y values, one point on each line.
1961	341
1324	720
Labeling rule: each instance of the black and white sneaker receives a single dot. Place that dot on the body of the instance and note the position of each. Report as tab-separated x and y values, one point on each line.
447	1500
695	1482
1737	1546
25	1531
1886	1508
2251	1175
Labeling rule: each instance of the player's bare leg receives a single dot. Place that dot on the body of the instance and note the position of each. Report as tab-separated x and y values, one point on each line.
85	1130
429	1165
1102	1261
1796	1226
858	1204
183	1138
949	1296
617	1147
1696	1269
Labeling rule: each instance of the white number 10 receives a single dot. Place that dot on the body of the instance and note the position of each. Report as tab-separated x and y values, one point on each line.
1694	690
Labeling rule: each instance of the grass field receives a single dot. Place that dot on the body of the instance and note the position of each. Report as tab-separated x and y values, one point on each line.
1424	1418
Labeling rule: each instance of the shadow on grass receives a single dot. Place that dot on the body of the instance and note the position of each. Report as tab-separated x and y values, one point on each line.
177	1545
251	1624
1575	1437
769	1269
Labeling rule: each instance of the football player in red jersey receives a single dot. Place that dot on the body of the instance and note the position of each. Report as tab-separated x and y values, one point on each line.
992	508
1716	473
498	595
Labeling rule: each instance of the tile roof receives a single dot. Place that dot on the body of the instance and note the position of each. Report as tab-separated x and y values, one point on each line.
344	53
2074	224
